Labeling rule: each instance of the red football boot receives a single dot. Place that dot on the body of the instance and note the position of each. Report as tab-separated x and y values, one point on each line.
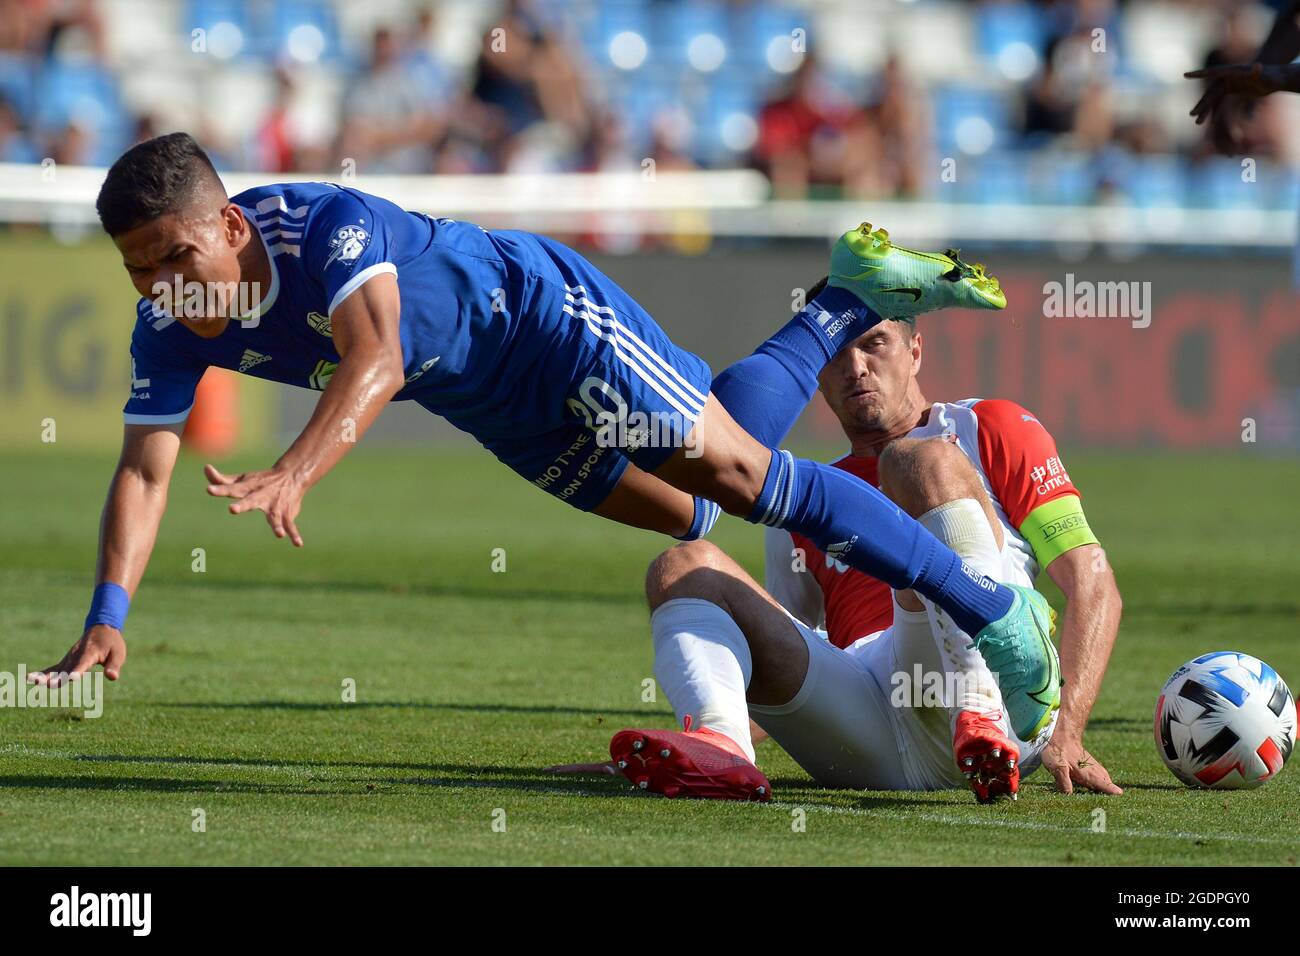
989	758
688	763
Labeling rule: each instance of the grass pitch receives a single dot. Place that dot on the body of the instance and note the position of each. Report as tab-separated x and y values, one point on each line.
469	681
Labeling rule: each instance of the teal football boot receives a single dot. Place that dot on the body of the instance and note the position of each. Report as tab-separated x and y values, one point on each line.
1018	649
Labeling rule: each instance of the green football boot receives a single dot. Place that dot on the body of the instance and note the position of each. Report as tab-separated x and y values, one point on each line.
899	283
1018	649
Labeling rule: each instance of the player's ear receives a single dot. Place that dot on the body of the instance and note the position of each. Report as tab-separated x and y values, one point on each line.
234	224
916	353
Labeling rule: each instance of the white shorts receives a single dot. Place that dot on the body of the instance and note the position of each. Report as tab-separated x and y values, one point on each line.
844	728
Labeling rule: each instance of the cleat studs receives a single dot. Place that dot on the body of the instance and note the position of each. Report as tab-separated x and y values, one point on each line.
622	765
643	783
968	762
638	744
1011	763
761	790
997	752
665	752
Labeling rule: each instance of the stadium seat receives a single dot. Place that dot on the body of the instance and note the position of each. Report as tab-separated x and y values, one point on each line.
84	93
286	16
1000	25
1155	182
1060	178
611	19
956	107
1217	184
207	14
676	25
756	25
998	177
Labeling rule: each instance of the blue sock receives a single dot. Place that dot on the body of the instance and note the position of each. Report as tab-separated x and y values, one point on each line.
706	515
855	523
766	392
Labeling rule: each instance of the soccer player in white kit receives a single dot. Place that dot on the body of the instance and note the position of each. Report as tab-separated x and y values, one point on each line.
863	687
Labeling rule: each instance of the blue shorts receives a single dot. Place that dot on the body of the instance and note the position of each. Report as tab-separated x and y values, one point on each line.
632	395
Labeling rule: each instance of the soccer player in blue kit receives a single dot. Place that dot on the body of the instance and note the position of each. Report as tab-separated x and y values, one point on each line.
517	340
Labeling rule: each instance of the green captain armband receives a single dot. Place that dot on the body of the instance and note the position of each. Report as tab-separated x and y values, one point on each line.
1057	527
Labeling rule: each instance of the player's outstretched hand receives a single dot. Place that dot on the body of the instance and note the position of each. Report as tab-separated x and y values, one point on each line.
1226	103
278	494
1251	80
101	644
1072	766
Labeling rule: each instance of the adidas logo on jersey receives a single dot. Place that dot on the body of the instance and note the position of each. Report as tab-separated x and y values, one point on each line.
251	358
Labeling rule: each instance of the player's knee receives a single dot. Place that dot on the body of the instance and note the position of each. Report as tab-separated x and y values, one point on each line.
922	473
680	572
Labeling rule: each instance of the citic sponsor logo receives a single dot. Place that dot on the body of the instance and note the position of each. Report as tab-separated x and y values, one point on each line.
1049	476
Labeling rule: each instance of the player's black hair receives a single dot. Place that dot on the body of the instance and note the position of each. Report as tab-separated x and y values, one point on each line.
156	177
820	285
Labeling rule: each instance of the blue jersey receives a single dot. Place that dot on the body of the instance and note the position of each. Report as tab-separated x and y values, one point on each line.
512	337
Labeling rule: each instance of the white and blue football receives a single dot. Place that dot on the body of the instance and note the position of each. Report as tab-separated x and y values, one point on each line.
1225	720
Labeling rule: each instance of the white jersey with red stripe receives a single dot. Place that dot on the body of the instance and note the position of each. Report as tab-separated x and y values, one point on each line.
845	727
1020	469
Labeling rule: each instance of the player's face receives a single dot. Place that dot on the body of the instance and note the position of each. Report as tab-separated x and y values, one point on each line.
185	254
869	383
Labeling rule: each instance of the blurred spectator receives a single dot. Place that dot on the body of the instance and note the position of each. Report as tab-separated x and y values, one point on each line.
670	137
273	143
39	26
79	19
388	126
71	145
527	77
608	149
427	71
15	145
889	145
1048	106
813	139
802	135
19	27
1094	118
1069	102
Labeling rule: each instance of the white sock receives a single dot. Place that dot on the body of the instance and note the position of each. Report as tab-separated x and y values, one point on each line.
963	526
703	664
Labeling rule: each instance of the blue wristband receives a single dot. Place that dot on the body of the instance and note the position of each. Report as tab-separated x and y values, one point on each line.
108	606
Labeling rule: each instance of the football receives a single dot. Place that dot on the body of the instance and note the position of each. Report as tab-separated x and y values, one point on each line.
1225	720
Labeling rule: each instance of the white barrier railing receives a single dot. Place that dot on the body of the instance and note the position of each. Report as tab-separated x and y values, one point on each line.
717	203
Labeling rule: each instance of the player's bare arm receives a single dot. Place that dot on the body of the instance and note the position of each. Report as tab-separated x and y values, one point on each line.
137	498
369	374
1087	634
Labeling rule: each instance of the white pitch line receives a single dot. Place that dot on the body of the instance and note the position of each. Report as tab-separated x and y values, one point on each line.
950	820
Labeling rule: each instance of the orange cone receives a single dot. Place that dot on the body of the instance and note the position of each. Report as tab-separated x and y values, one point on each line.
213	425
